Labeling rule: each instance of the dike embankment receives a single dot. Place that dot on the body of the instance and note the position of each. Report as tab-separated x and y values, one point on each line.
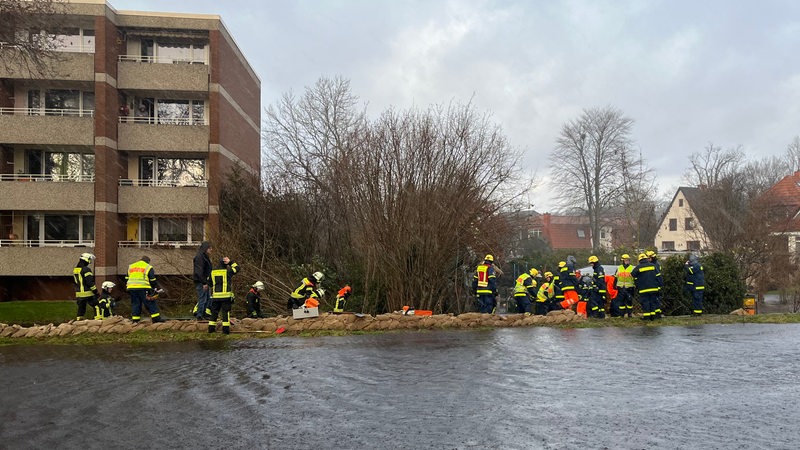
288	325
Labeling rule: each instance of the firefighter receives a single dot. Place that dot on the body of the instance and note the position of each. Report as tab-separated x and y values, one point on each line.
341	299
623	282
143	288
525	290
308	289
590	294
599	278
254	300
222	294
566	282
544	297
105	306
653	257
484	285
695	283
645	279
85	289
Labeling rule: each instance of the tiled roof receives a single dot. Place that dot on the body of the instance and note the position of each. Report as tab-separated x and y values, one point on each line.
567	232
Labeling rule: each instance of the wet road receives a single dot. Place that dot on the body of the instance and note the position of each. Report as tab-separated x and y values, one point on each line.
712	386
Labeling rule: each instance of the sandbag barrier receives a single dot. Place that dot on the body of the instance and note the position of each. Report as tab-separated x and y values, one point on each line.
332	322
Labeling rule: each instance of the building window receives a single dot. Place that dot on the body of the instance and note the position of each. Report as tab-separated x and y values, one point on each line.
180	52
170	112
535	233
64	40
171	229
689	223
692	245
74	40
172	171
680	203
668	245
60	166
57	229
673	224
581	233
60	102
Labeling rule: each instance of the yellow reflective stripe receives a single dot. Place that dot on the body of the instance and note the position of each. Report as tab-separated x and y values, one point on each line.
643	291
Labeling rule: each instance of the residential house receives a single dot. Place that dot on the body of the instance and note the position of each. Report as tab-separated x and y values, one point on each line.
121	149
562	232
780	206
681	228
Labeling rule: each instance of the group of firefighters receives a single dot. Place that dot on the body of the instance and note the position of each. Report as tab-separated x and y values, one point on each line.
143	288
565	289
587	293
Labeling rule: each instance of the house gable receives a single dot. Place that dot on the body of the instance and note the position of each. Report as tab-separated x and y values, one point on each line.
681	226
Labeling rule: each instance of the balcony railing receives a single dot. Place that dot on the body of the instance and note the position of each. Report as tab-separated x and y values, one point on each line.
47	112
49	178
162	183
160	60
163	120
158	244
45	243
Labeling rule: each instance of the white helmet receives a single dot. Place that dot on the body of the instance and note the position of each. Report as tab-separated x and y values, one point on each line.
318	276
259	285
88	257
107	285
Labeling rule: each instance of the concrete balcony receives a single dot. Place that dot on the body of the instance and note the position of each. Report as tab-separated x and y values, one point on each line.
19	260
163	137
166	259
74	128
32	194
177	77
63	66
151	200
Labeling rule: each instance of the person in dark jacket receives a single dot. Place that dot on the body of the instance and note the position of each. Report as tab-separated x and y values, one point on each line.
695	283
254	300
85	289
202	280
645	277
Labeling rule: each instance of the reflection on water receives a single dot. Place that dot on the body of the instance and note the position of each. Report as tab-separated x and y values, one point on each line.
712	386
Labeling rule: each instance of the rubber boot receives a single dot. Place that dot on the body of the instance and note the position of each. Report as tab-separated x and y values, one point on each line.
212	328
226	330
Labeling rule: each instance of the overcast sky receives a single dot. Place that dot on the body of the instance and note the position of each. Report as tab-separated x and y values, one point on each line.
687	72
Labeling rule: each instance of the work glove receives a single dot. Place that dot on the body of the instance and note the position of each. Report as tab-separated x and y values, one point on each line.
321	292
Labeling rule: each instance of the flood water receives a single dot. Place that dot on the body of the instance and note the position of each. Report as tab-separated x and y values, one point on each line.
708	387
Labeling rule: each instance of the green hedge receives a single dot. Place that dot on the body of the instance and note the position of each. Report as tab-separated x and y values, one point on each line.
725	287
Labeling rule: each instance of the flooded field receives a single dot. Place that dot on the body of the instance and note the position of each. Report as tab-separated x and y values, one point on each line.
711	386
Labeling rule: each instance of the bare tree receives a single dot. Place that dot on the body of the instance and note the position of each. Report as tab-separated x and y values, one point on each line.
709	167
28	34
591	164
403	202
793	154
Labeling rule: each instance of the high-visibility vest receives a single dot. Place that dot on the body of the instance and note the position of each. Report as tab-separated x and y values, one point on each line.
138	275
522	284
624	277
484	274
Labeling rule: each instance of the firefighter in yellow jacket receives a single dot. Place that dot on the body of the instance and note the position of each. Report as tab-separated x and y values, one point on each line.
525	290
85	289
544	297
222	294
143	288
309	288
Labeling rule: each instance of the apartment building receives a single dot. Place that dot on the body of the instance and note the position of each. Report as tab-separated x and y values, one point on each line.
122	148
